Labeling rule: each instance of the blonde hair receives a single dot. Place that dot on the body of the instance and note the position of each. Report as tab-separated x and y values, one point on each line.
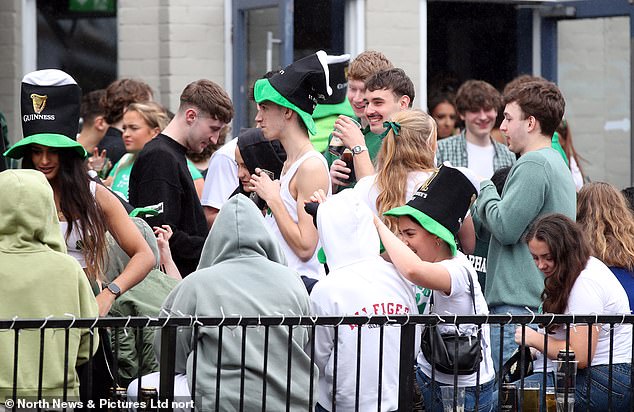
412	150
153	113
605	217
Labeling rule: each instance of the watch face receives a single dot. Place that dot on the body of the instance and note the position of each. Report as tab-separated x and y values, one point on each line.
114	289
356	149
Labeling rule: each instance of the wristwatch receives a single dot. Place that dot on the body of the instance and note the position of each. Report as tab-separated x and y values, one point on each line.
114	289
358	149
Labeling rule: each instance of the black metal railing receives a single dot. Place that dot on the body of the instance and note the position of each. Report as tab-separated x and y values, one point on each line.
409	328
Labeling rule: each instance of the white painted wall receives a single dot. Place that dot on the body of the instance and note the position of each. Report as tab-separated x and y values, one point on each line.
393	28
594	66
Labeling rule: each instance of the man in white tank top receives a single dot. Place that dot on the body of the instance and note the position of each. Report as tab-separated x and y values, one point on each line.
285	104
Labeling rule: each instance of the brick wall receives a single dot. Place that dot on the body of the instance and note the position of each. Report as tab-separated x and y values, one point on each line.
393	29
11	65
170	43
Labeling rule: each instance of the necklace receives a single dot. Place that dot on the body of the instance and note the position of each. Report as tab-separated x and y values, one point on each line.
302	151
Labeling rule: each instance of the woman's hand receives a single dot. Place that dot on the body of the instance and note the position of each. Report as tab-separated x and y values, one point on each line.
530	336
164	232
318	196
98	160
105	299
163	235
266	188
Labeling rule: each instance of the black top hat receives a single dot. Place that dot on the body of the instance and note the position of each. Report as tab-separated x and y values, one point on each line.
441	204
301	85
338	82
50	102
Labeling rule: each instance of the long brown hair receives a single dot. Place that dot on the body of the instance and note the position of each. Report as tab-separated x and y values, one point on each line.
79	206
570	252
604	215
412	150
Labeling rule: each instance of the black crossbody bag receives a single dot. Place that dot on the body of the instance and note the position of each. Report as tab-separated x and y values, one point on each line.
451	352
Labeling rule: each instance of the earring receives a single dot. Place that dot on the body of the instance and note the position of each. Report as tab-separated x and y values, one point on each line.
437	243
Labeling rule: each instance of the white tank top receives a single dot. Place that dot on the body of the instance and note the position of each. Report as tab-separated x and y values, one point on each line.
310	268
73	243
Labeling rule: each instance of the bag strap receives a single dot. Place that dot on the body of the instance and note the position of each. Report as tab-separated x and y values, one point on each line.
471	291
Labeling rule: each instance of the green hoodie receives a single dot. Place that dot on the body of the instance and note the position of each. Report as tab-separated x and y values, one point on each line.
242	272
144	299
38	280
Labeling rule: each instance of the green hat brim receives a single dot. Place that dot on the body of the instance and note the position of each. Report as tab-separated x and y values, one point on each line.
427	223
263	91
45	139
324	110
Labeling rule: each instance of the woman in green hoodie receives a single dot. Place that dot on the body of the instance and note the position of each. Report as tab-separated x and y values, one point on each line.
38	280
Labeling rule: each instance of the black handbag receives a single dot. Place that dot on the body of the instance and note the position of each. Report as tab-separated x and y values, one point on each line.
514	368
451	352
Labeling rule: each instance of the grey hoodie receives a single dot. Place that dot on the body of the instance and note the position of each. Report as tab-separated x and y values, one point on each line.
242	272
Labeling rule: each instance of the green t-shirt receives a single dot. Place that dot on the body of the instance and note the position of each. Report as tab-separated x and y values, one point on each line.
325	116
557	146
121	173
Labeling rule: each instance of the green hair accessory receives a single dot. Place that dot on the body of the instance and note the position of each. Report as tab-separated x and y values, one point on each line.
394	126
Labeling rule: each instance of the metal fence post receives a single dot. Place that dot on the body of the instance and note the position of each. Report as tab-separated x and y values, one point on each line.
167	366
406	368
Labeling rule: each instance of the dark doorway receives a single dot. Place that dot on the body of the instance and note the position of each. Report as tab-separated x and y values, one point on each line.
471	41
318	25
80	41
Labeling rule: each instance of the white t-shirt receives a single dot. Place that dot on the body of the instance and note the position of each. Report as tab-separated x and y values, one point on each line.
480	159
577	177
597	290
459	302
222	176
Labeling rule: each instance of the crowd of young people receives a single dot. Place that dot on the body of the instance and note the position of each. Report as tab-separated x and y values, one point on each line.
429	203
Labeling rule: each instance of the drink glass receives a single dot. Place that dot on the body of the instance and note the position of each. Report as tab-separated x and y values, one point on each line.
347	157
451	394
551	404
531	399
508	397
565	384
336	146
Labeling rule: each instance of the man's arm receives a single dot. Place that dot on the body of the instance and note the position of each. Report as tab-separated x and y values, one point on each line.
302	237
508	218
